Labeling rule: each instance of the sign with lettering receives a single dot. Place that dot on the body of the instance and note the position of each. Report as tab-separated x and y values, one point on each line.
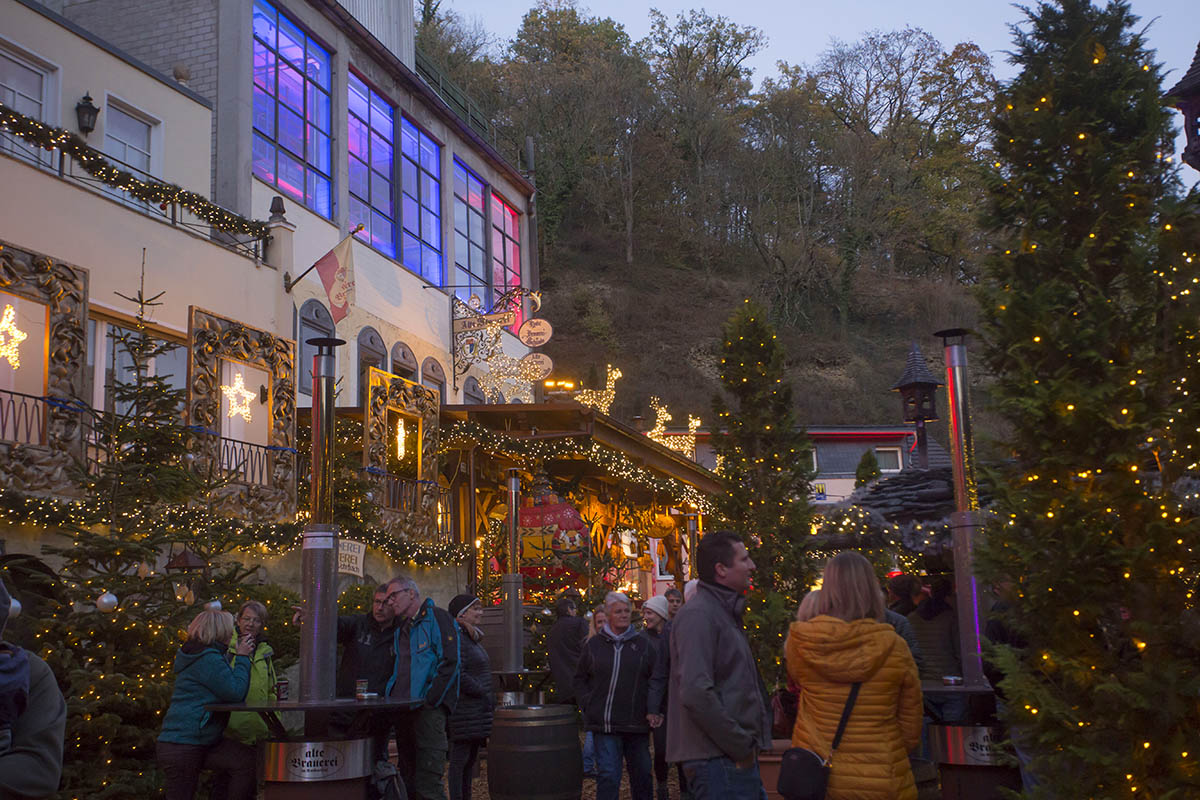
503	319
351	555
818	491
310	761
540	362
535	332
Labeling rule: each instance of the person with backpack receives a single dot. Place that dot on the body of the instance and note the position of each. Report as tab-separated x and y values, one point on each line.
471	722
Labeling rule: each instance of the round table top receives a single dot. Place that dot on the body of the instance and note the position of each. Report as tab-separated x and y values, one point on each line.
338	704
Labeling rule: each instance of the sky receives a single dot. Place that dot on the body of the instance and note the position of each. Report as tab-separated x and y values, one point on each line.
799	30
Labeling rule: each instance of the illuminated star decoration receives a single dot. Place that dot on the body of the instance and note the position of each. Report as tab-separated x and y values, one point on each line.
400	438
239	397
11	337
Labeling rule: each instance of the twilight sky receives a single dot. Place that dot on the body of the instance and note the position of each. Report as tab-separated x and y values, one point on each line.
798	30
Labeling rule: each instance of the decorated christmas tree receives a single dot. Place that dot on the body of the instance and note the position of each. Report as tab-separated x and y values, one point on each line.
1091	546
765	468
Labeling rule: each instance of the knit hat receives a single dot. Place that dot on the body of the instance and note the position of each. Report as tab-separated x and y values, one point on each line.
657	604
461	603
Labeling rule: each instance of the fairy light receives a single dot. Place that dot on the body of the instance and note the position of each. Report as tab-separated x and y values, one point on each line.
11	337
601	399
239	398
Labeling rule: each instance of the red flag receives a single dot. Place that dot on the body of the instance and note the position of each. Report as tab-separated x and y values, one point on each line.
336	269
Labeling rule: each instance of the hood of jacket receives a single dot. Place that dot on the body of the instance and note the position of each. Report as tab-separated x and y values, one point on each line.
191	652
844	652
623	636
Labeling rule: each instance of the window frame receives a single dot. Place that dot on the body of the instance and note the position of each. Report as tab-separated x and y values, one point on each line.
308	118
154	129
418	232
368	235
899	460
50	73
506	238
318	323
432	380
483	277
368	354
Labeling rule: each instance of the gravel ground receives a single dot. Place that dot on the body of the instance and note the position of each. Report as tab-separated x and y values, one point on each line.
480	789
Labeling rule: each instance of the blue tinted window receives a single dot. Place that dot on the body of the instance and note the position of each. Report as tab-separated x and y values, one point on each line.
421	208
369	136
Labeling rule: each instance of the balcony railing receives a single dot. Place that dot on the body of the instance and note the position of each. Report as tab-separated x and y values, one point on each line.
22	418
58	163
395	493
247	463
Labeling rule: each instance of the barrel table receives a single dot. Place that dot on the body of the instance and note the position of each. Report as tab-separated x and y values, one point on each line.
534	754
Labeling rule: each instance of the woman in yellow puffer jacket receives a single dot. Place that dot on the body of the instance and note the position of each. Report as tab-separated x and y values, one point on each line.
846	644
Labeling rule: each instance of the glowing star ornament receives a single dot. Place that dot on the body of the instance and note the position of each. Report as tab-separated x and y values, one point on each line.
239	397
11	337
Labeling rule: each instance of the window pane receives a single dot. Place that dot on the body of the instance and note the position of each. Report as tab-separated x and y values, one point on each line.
359	104
318	65
264	159
889	460
359	178
460	216
318	107
412	253
291	131
381	155
319	195
318	150
360	213
264	112
381	193
429	191
460	181
460	249
475	187
410	215
291	42
478	259
429	156
431	229
408	176
291	176
356	138
381	116
382	234
408	139
476	229
431	265
514	258
264	22
291	87
128	129
264	67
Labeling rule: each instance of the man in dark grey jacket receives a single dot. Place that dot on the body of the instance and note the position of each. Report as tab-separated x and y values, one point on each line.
718	718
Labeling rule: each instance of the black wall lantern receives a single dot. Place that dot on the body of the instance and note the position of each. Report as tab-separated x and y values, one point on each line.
85	115
1185	96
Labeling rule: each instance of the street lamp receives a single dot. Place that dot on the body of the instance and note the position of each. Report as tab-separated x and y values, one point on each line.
85	114
918	395
1185	96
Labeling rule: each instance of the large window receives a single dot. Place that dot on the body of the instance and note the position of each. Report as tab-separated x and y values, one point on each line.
506	249
889	459
291	148
127	139
313	322
369	125
470	236
23	89
420	167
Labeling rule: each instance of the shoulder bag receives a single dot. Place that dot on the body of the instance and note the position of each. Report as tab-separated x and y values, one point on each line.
803	775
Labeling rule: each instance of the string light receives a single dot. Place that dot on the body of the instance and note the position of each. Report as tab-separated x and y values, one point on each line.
239	398
11	337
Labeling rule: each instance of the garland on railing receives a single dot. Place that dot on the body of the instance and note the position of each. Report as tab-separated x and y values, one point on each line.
271	538
615	463
96	165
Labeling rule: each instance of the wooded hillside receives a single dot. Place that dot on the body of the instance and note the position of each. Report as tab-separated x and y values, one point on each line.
840	194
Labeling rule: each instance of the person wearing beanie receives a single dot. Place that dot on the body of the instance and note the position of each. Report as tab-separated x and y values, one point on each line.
471	723
33	718
656	612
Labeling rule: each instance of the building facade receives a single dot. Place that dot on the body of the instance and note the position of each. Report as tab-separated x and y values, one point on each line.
277	128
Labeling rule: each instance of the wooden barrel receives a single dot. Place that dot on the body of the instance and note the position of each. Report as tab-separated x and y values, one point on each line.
534	754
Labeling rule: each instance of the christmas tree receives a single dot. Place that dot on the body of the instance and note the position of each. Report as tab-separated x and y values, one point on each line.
1094	546
765	468
867	469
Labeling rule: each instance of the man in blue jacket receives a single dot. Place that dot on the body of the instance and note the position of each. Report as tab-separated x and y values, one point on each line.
425	646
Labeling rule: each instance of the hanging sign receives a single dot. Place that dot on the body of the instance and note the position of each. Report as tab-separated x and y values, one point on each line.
549	533
478	323
535	332
350	557
540	362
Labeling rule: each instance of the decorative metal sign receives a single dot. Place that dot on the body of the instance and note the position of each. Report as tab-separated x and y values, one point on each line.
478	340
535	332
540	362
485	321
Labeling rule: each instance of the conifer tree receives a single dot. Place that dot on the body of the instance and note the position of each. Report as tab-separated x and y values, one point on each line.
867	469
765	471
1095	549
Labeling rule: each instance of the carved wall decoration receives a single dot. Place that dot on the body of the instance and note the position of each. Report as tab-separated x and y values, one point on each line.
63	288
210	339
388	391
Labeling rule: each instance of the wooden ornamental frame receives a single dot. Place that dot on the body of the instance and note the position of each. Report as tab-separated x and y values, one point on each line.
391	392
63	289
211	338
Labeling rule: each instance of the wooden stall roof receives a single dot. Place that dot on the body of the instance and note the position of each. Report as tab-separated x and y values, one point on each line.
570	420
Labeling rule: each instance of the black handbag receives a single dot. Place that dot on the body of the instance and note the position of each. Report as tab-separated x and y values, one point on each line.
803	775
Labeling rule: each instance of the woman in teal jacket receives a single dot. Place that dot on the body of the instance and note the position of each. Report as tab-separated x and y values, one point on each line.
191	739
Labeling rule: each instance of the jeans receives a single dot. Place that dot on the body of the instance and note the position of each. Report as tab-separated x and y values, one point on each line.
589	753
422	746
634	748
234	762
463	756
940	709
720	779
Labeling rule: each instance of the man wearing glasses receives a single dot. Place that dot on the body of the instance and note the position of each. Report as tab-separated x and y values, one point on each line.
366	641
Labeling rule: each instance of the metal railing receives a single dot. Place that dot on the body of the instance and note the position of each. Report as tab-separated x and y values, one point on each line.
22	418
173	213
395	493
247	463
458	100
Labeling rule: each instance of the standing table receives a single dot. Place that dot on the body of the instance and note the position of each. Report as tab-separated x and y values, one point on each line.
316	765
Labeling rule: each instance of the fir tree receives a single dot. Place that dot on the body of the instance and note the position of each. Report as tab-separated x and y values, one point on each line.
867	469
1096	552
764	460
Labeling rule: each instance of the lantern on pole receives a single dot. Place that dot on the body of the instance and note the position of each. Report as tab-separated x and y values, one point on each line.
918	395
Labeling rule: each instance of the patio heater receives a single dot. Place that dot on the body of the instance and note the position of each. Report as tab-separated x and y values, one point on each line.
514	655
965	522
318	631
